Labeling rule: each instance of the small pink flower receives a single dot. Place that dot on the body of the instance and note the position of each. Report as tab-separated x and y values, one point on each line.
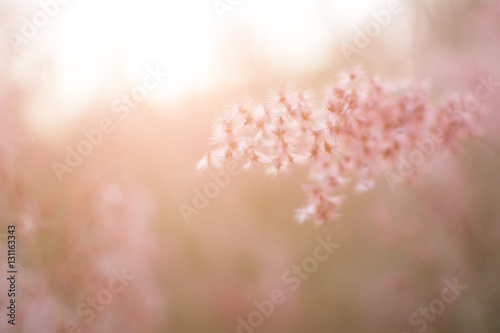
357	130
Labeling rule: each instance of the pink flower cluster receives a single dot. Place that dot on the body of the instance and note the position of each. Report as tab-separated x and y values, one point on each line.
357	129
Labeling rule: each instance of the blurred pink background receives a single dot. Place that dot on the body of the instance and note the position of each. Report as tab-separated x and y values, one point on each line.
118	208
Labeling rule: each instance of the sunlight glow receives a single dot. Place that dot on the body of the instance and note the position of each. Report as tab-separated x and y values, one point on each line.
102	44
101	35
